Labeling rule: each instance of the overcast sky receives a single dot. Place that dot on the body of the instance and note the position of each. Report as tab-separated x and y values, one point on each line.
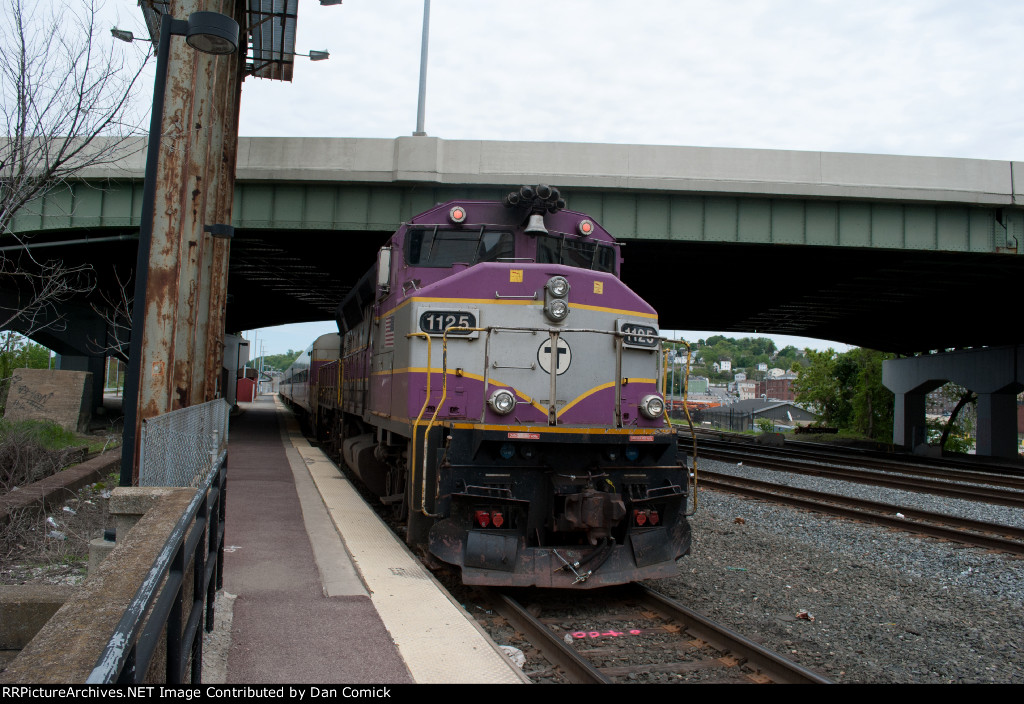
914	77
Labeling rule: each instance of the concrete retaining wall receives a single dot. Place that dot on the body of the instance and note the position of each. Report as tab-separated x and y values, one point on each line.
66	648
55	488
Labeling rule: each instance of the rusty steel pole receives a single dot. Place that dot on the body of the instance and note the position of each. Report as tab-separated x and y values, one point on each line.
167	323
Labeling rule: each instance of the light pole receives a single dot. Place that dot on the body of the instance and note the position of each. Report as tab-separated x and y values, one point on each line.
210	33
421	106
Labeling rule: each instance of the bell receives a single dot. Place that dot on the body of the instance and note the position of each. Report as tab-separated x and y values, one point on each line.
536	225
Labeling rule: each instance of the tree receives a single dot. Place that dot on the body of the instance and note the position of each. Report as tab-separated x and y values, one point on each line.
65	100
872	403
817	385
958	430
279	362
846	389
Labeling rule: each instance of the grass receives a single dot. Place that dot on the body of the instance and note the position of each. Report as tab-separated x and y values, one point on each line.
50	436
44	433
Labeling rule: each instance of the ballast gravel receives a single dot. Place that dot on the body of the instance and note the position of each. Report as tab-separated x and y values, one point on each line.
855	602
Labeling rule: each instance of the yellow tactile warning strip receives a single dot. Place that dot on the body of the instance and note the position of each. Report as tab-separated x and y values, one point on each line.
437	639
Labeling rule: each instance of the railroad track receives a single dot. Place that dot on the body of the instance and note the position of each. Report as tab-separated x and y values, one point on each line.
634	634
993	536
1008	474
1003	491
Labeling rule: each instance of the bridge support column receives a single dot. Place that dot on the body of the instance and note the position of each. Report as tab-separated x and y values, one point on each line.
997	424
88	363
908	420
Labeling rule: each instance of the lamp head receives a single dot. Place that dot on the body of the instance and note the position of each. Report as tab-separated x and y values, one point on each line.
212	33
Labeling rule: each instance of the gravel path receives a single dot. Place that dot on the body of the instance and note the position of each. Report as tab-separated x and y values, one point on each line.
855	602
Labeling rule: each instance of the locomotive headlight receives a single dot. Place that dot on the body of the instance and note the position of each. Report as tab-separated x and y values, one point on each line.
557	309
556	293
558	286
652	406
502	402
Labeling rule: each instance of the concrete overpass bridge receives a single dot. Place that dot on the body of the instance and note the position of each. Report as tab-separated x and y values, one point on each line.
890	252
903	254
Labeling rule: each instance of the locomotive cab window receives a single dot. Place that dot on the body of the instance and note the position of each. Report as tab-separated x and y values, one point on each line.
441	248
584	254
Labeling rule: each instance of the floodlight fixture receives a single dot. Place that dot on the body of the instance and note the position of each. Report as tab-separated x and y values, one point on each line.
212	33
122	34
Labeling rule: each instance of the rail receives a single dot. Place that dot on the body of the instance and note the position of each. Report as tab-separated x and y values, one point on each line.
157	613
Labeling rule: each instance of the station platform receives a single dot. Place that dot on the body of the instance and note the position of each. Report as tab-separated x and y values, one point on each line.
321	591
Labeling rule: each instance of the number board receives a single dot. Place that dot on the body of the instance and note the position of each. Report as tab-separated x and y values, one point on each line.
638	335
435	322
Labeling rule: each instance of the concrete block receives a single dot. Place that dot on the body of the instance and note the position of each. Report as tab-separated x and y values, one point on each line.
51	394
130	503
98	551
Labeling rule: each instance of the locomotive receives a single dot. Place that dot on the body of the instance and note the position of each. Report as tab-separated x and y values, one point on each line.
499	387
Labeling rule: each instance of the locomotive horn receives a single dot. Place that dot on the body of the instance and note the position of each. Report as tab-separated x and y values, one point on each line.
536	225
543	192
526	193
511	200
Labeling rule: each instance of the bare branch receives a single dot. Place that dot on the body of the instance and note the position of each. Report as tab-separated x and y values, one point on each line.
66	92
117	314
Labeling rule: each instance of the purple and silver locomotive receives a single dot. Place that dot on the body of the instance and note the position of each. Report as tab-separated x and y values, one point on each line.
500	387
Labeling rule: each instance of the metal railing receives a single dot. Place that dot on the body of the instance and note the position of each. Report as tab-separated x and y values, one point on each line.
176	448
159	612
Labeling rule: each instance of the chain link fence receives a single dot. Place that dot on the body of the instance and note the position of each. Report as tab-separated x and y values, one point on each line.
182	447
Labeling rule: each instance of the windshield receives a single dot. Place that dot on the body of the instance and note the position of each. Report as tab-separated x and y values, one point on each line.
442	248
585	254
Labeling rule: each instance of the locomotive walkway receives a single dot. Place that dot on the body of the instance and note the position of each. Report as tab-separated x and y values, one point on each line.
324	593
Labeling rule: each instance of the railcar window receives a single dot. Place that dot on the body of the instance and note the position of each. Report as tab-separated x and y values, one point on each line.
575	252
442	248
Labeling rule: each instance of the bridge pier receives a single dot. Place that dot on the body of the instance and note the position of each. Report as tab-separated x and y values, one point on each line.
909	418
96	364
995	374
997	424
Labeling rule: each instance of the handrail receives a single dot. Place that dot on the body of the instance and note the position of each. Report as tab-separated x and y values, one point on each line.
158	601
444	396
415	427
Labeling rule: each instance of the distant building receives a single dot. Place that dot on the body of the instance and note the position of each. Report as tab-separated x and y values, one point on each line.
938	403
739	376
743	415
723	365
697	385
747	390
762	367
